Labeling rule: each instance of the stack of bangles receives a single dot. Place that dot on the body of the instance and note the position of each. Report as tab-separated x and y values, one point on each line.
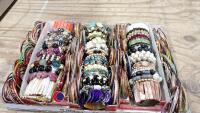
144	80
46	71
12	85
95	92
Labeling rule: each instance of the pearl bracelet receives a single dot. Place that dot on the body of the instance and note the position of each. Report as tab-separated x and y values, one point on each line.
142	56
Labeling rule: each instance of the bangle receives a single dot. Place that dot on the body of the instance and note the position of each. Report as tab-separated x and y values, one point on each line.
147	93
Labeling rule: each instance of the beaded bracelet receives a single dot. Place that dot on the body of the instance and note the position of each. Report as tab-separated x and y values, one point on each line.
95	34
135	31
101	71
138	40
93	26
139	47
97	41
95	80
138	36
97	51
142	56
95	58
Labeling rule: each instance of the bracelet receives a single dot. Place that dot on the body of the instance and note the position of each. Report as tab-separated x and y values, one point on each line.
136	36
138	40
100	71
137	29
139	47
93	26
97	51
143	64
95	59
142	56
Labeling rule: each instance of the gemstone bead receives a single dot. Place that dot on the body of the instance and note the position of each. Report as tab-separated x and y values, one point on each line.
48	62
41	68
139	49
44	46
31	70
36	63
138	73
104	82
152	72
56	63
56	50
58	72
95	80
42	62
48	68
146	49
55	45
133	50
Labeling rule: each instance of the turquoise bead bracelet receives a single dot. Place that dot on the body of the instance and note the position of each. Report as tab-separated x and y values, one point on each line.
95	58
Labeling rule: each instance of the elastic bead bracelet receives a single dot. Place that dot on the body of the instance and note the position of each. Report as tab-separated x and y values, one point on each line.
143	72
93	26
101	71
137	31
139	40
142	56
138	36
139	47
97	51
95	58
95	34
143	64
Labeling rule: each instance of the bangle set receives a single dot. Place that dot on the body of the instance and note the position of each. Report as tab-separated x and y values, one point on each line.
95	92
143	76
46	69
92	67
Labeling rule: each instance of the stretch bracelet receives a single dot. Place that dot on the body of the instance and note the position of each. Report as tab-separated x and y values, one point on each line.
142	56
143	64
95	80
97	51
138	47
99	70
138	36
93	26
136	31
95	58
138	40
